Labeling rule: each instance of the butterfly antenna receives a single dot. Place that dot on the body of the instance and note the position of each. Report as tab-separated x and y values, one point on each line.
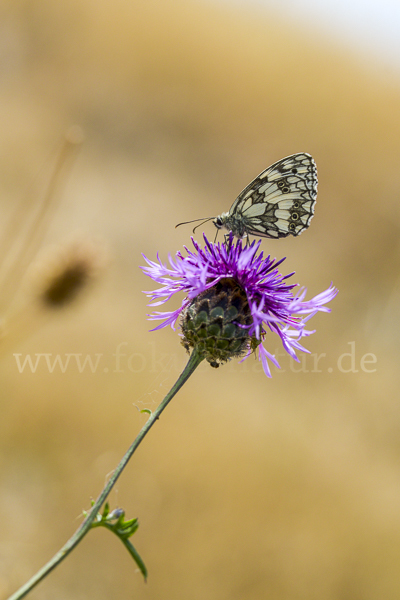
200	224
194	221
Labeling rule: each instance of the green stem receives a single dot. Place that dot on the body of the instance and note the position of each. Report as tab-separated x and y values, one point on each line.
192	364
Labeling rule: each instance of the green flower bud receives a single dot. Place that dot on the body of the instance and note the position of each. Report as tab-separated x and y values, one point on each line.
211	323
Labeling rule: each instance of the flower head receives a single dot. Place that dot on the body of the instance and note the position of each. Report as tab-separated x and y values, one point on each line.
234	298
63	273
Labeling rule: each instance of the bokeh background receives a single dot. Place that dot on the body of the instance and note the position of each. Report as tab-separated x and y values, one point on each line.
285	488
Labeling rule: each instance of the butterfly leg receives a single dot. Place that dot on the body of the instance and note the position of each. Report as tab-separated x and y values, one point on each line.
228	239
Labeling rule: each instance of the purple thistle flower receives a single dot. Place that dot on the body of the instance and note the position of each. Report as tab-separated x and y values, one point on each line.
267	302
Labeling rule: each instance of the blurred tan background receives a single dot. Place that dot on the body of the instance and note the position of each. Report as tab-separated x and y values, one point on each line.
285	488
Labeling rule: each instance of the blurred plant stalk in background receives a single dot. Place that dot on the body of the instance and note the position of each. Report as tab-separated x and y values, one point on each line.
35	284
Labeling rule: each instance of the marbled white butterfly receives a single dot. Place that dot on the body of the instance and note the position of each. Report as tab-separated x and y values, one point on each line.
279	202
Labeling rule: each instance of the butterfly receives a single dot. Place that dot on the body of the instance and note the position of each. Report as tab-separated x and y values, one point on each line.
278	202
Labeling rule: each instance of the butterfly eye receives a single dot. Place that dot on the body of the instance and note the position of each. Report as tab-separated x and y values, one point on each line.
295	216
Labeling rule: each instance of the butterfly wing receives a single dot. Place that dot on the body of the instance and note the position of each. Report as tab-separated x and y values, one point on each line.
281	200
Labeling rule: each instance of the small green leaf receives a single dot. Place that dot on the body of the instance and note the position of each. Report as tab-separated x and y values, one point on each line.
136	557
122	529
106	510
